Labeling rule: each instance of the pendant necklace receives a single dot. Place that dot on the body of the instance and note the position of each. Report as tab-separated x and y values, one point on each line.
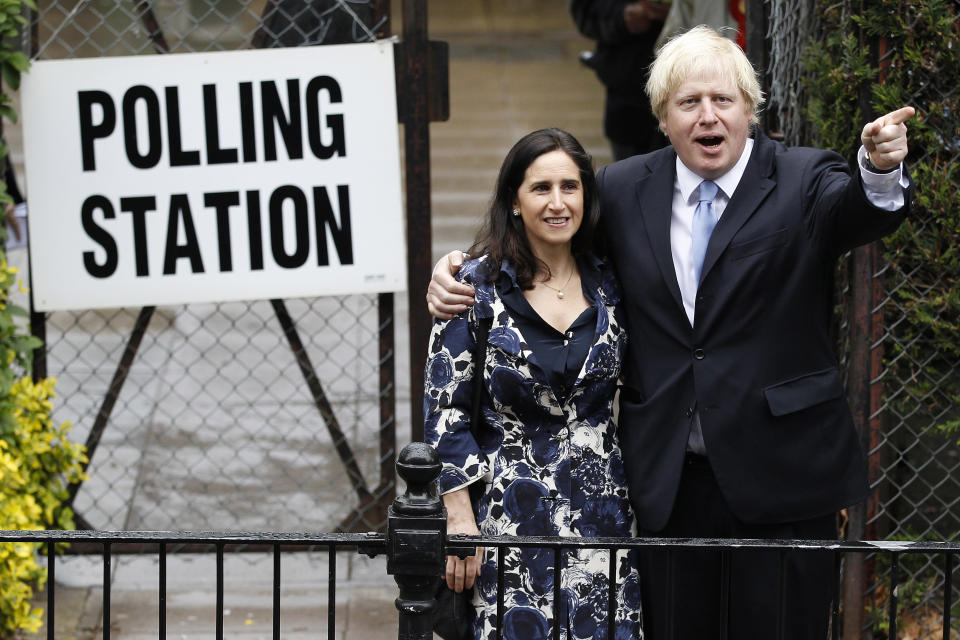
560	294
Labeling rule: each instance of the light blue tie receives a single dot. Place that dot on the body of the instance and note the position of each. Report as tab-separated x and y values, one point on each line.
703	223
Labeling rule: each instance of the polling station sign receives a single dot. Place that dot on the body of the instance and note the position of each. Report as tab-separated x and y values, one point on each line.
207	177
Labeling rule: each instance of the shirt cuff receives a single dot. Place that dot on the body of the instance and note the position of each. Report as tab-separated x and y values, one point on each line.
883	190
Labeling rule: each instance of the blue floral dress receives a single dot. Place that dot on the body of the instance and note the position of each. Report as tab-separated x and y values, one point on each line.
549	467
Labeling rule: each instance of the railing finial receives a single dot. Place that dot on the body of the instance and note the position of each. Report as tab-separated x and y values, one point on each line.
416	536
419	466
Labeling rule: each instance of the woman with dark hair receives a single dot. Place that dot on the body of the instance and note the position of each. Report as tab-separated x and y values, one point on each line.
545	452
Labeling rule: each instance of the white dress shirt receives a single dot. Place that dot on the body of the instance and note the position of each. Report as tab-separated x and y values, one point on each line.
883	190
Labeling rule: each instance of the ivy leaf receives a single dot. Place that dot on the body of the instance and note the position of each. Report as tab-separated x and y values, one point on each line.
11	77
17	310
19	61
8	112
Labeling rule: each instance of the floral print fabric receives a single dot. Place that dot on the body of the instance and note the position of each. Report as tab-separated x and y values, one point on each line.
548	468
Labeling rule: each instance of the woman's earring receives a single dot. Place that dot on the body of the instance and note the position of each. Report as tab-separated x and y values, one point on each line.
516	213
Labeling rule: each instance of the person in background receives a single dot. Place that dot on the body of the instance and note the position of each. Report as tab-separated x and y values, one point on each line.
546	453
733	421
625	32
728	17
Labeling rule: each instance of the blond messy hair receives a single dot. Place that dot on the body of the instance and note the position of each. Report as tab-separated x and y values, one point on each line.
701	52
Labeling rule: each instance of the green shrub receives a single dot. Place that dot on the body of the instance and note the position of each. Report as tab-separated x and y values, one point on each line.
37	462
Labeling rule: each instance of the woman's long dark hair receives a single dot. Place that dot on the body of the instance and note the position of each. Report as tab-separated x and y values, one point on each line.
502	235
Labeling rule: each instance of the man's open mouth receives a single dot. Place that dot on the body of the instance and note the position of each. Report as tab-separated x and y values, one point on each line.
710	141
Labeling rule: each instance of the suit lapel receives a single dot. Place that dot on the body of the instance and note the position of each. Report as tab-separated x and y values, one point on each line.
654	193
754	187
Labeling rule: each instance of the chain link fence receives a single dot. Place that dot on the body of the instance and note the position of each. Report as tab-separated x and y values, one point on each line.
914	358
268	415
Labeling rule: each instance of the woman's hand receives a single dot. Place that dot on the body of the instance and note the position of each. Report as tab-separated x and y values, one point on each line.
461	574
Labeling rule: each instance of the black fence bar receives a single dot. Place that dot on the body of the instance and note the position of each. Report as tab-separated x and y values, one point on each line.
162	592
276	592
782	601
501	609
726	570
375	543
106	590
835	610
51	579
612	594
219	591
671	620
947	593
716	544
894	581
557	567
331	591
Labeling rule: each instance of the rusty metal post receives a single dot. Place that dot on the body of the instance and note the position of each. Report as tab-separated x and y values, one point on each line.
858	391
865	390
415	88
416	533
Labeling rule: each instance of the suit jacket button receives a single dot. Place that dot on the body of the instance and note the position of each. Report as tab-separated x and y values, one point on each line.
698	354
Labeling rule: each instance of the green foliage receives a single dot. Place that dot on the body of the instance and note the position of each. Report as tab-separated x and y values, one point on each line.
919	65
12	62
37	461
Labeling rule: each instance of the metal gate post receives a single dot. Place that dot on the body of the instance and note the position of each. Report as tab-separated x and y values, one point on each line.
858	395
865	389
416	536
416	140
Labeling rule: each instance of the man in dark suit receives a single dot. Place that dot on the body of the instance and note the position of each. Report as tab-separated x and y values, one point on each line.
733	422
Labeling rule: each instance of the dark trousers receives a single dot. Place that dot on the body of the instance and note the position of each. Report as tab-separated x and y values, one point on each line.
748	607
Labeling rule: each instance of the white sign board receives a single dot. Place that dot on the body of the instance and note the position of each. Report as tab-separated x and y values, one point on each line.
205	177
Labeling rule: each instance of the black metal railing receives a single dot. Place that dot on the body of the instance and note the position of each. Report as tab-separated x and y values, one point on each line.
161	543
416	545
